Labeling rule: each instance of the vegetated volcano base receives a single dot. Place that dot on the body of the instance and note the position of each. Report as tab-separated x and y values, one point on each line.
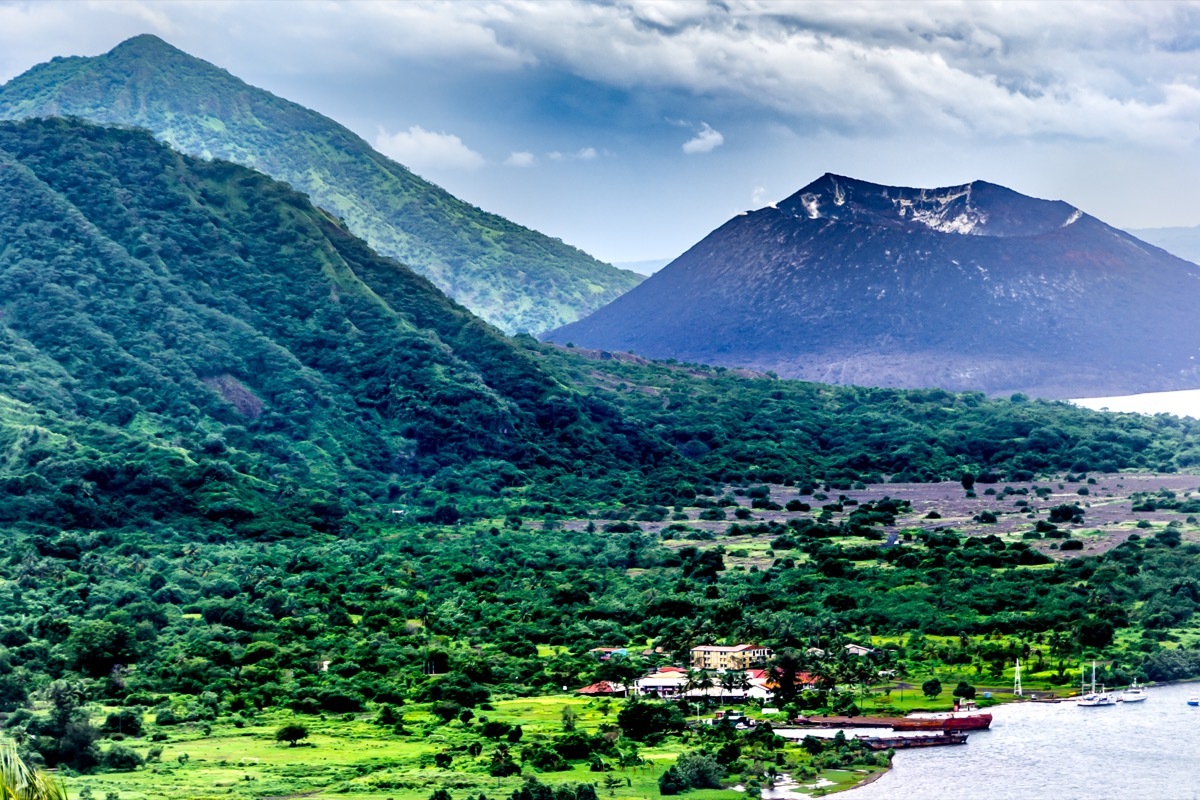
973	287
955	600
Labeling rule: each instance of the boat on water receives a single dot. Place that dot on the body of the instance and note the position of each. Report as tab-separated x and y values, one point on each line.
966	716
1134	694
905	742
1093	698
1194	700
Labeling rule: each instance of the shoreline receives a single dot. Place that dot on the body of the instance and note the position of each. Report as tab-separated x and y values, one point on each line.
1010	701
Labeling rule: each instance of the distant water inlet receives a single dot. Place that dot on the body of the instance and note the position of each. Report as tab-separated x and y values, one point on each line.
1130	751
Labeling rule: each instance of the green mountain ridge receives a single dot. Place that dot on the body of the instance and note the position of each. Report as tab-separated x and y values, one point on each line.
516	278
192	339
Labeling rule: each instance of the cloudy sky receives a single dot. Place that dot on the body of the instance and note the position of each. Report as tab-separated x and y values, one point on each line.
631	129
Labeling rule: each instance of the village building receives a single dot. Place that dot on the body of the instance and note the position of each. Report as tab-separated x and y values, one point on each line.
738	657
603	689
665	682
605	653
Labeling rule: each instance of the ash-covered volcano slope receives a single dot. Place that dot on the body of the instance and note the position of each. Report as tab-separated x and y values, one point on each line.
973	287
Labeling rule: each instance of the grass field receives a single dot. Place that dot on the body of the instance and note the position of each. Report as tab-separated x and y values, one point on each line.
350	758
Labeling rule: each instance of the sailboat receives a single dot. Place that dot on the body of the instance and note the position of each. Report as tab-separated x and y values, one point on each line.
1134	694
1094	698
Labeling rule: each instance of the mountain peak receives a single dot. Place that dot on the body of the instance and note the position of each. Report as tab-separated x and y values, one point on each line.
146	41
977	208
147	45
972	286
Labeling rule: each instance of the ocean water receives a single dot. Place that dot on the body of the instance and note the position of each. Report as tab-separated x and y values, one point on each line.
1043	751
1182	403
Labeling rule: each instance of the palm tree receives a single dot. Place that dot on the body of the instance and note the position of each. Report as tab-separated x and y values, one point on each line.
19	782
728	683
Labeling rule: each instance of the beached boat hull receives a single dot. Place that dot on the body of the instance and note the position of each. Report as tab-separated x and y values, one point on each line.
905	742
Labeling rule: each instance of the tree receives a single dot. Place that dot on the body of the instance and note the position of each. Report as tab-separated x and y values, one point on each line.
291	734
968	481
931	688
698	680
669	783
699	770
568	719
19	782
641	721
784	670
729	682
964	690
503	764
446	710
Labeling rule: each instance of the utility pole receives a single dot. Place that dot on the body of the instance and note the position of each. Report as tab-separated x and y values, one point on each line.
1017	681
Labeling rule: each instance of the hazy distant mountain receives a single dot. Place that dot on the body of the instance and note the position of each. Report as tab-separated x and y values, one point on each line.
1183	242
647	267
970	287
514	277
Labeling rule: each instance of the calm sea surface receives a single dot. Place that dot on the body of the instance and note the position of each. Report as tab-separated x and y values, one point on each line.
1037	751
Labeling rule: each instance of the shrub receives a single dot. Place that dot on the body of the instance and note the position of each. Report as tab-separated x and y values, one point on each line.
699	770
669	783
166	717
123	722
121	758
544	759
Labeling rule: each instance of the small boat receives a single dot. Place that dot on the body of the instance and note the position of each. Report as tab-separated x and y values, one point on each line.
1093	698
1134	694
1194	700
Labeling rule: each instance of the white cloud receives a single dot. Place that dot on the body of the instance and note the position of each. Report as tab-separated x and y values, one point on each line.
583	154
1112	71
705	141
420	149
520	159
758	196
1119	71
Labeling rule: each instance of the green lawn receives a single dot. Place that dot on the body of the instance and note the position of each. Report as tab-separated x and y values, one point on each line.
351	758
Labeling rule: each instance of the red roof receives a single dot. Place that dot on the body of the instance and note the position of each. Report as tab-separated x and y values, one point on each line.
603	687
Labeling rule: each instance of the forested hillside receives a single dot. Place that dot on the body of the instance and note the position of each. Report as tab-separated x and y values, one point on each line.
191	339
251	468
516	278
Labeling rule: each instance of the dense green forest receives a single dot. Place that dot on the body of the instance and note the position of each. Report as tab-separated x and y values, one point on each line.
514	277
249	466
